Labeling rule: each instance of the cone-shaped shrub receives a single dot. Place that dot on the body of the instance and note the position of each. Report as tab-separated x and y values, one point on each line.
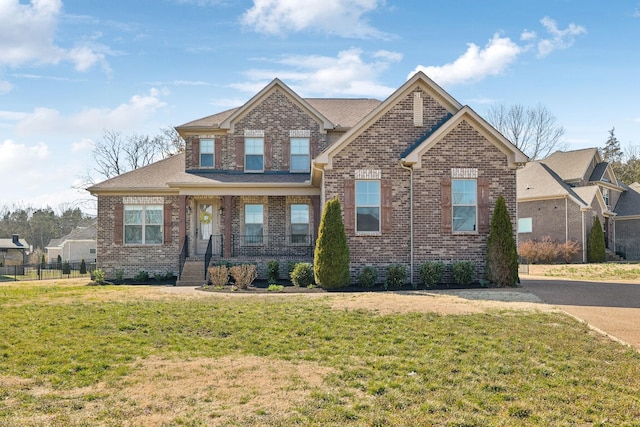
502	255
331	256
595	247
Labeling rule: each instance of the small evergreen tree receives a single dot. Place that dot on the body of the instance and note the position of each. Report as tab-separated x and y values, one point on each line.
595	246
59	263
331	256
43	261
612	152
502	254
83	267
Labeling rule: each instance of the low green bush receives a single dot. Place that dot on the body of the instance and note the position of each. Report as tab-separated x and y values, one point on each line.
368	276
98	276
396	276
302	274
142	276
275	288
431	273
120	275
273	270
66	268
463	272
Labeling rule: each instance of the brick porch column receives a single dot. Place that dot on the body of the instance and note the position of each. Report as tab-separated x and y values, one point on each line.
228	214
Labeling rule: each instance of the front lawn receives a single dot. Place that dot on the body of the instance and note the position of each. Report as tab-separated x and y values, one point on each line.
74	355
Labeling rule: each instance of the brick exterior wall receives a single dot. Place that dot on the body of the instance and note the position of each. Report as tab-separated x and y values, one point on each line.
134	258
380	147
627	240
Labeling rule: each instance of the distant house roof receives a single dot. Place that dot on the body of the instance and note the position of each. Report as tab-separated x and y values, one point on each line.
10	244
538	181
629	202
88	232
571	165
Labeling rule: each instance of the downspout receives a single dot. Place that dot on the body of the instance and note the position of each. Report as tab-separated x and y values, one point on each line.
584	240
566	219
410	169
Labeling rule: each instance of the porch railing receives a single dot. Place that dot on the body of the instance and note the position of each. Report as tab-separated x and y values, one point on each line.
272	245
184	254
207	256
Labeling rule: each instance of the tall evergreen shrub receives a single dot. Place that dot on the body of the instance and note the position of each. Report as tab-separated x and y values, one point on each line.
331	256
595	245
502	254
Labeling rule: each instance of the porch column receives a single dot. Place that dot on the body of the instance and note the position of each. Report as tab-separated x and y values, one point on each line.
228	215
182	219
315	205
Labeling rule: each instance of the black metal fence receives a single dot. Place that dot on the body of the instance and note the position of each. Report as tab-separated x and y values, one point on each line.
65	270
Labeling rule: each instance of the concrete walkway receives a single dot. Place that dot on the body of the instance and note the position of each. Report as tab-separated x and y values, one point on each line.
611	308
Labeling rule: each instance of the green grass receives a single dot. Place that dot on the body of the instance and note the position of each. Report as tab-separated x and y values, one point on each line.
497	368
597	272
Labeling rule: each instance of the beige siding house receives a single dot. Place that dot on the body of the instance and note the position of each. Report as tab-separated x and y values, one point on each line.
79	244
417	176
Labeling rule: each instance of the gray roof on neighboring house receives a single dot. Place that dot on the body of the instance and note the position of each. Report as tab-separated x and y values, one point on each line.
343	112
571	165
8	244
629	201
599	171
538	181
88	232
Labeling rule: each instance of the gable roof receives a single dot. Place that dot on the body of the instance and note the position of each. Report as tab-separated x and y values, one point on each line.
514	155
572	165
8	244
591	194
88	232
537	181
629	202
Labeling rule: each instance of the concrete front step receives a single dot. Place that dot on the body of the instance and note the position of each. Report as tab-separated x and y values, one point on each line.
192	273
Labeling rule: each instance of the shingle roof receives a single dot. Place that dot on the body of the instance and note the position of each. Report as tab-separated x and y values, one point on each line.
599	171
342	112
570	165
538	181
629	201
8	244
224	176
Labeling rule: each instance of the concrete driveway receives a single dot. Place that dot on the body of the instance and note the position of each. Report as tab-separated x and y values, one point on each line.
612	308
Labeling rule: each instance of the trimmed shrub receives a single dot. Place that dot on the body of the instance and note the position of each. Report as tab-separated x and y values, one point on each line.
142	276
302	274
273	270
83	267
368	276
120	275
463	272
502	256
59	263
544	251
98	276
331	255
431	273
219	275
244	275
569	250
396	276
43	262
596	251
66	268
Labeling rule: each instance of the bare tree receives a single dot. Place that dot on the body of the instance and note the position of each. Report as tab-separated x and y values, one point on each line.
535	131
107	154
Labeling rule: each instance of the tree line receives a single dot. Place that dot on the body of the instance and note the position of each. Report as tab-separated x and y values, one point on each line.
38	226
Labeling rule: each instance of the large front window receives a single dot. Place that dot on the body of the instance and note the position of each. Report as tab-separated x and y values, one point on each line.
367	206
464	206
143	224
253	223
300	154
206	153
254	154
299	223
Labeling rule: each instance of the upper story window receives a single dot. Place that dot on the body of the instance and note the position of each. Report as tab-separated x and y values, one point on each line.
143	224
605	195
254	154
299	223
207	159
299	154
253	223
367	206
464	205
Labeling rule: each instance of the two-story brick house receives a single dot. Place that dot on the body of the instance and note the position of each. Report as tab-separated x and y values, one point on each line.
417	175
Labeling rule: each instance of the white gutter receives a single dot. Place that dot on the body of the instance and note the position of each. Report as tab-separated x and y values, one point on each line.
410	169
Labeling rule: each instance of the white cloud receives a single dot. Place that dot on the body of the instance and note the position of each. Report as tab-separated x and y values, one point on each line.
27	36
125	117
83	145
16	158
351	73
336	17
476	63
5	87
560	39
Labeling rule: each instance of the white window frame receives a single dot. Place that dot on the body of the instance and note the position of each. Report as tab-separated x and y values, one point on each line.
463	204
249	219
253	146
606	196
299	152
295	220
368	203
144	224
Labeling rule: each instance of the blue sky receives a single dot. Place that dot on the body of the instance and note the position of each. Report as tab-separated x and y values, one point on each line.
70	69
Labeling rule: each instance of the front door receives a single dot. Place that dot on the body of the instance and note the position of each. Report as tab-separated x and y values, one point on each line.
206	225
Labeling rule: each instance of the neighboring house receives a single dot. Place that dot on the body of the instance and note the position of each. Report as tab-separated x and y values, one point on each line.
79	244
627	223
13	251
417	175
560	196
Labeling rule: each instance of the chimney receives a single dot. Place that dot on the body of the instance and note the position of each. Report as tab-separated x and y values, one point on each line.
16	239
